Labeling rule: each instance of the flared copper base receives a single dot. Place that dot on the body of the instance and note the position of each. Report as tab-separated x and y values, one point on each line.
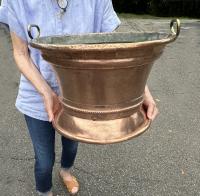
101	132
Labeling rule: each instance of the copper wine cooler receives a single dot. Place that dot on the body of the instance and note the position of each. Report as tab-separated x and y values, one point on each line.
102	78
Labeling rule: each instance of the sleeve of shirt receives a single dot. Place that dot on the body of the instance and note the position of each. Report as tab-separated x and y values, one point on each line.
110	19
9	16
3	12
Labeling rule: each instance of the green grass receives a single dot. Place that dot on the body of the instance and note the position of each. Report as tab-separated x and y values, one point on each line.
138	16
146	16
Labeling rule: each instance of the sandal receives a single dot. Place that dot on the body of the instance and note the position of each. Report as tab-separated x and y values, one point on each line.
70	184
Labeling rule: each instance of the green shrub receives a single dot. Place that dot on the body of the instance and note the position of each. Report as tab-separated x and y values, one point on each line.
189	8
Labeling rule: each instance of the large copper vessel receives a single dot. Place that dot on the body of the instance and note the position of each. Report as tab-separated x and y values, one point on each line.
102	78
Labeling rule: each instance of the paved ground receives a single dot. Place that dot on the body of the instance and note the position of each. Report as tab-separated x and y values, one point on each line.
165	161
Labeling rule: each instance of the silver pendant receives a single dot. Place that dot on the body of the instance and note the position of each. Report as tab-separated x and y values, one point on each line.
63	4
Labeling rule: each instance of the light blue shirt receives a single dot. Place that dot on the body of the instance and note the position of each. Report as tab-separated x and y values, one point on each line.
82	16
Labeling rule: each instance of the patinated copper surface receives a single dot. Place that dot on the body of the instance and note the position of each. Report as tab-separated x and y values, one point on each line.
102	78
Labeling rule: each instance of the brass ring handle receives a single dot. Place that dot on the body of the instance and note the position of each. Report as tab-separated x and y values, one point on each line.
178	27
30	28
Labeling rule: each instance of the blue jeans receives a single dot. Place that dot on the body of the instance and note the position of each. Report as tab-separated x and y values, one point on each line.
42	135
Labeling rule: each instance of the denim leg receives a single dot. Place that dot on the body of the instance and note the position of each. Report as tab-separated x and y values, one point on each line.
42	135
69	151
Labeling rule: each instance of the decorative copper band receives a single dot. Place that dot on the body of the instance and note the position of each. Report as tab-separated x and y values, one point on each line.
110	111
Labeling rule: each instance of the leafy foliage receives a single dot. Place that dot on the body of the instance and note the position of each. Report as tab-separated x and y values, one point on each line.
189	8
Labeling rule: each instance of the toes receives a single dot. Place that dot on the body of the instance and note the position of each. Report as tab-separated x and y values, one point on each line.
75	190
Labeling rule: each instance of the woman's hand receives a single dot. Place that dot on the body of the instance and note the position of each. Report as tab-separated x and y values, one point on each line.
149	105
52	104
